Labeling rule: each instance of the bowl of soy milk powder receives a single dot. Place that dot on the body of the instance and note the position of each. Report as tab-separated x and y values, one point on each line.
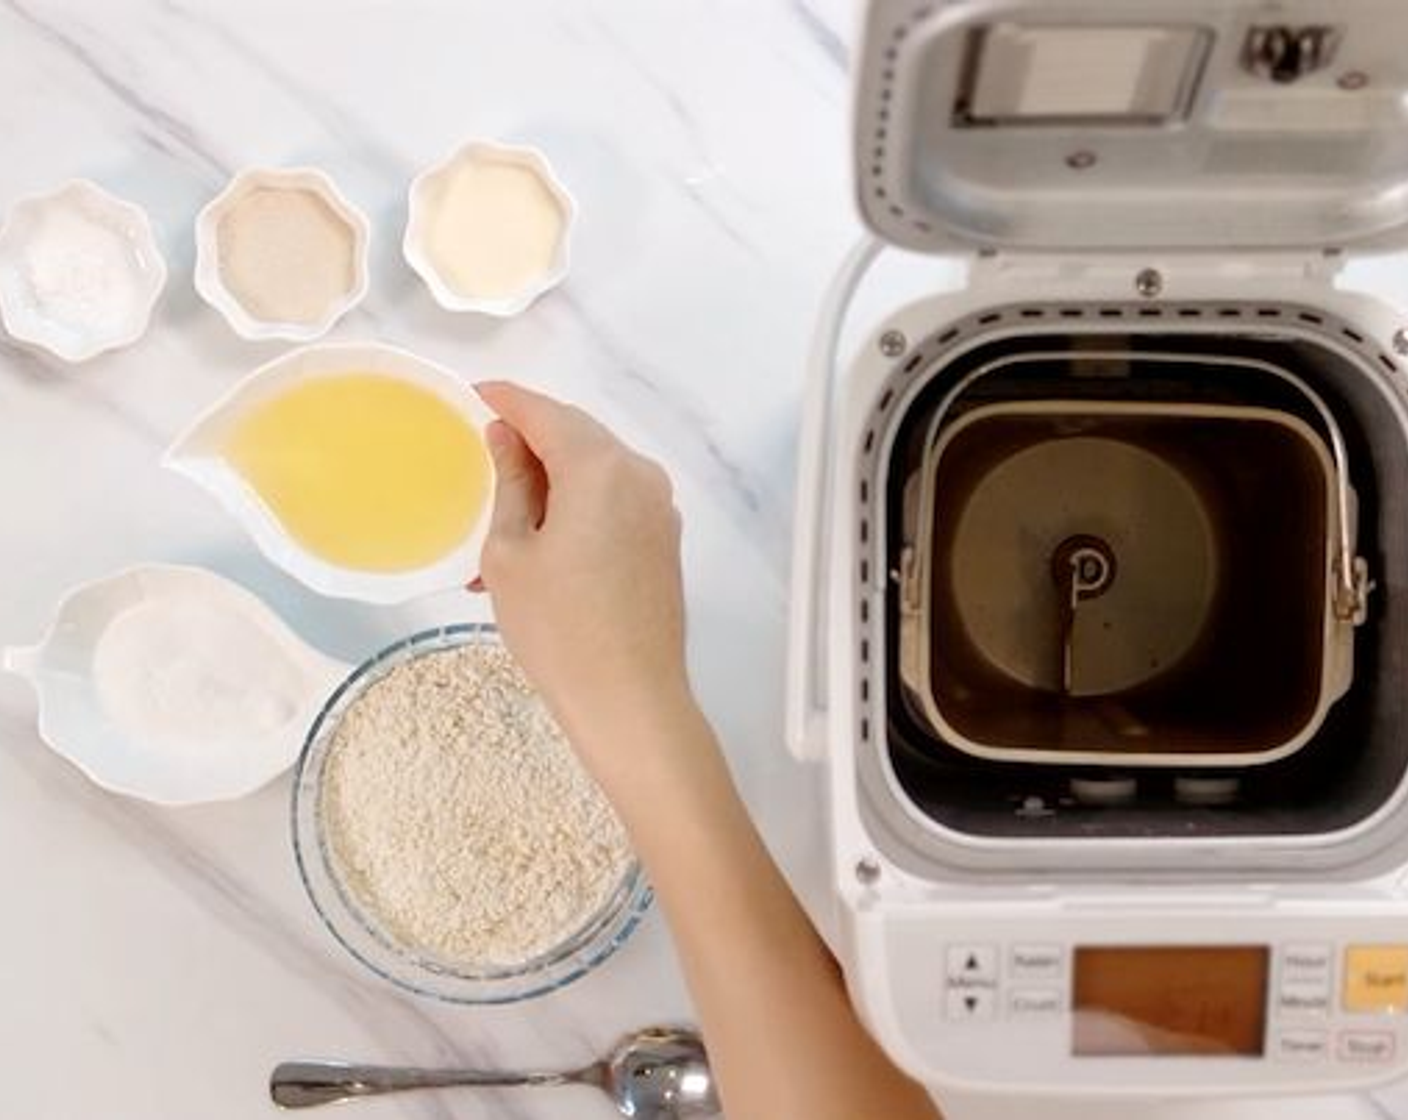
446	833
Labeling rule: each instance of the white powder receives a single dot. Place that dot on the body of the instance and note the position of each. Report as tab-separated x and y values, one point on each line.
494	229
194	676
286	255
84	273
458	817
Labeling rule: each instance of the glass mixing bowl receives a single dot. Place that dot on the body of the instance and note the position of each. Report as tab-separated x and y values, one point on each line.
359	932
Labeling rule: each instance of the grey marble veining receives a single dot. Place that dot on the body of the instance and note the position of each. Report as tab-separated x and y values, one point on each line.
148	938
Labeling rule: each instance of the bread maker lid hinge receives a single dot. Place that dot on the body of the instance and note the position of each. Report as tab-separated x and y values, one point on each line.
1231	126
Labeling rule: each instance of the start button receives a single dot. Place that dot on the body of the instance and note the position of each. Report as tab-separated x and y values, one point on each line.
1376	979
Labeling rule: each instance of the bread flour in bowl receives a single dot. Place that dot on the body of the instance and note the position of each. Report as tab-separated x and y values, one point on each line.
448	836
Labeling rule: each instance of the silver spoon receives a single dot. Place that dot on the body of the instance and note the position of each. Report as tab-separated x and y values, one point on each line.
660	1073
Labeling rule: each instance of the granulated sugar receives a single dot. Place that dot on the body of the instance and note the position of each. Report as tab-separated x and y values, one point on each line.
458	816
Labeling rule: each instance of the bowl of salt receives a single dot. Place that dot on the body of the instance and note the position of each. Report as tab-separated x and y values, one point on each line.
80	272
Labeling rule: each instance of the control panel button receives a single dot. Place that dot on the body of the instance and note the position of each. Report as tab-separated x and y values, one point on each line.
1373	1047
1036	962
1302	1046
1376	979
970	983
1303	999
1034	1003
972	962
1307	961
972	1004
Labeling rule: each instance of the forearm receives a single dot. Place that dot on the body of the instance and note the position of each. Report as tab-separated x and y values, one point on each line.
583	561
782	1035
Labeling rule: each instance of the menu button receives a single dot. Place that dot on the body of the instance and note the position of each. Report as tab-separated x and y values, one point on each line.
973	1004
972	965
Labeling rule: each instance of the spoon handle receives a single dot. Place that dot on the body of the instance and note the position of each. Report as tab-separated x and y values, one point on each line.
310	1083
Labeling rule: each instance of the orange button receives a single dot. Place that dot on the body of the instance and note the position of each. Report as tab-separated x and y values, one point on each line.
1376	979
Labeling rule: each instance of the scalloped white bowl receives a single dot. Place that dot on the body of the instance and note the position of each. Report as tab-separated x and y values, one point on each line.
211	285
420	202
23	310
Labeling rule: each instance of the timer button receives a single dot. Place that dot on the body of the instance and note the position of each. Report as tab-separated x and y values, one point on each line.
1376	979
1302	1046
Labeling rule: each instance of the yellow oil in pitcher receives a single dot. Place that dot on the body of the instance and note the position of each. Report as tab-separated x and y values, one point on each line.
364	470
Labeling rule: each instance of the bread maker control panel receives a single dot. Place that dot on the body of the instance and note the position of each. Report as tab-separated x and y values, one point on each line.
1311	1001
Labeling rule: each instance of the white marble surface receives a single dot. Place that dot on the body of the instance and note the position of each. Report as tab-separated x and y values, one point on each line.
155	963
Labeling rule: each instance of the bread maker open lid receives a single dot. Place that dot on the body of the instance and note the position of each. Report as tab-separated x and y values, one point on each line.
1108	125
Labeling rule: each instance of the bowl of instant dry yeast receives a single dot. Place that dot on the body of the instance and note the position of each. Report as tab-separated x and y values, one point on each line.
446	834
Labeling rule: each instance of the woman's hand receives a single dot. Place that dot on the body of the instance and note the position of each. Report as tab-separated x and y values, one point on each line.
583	563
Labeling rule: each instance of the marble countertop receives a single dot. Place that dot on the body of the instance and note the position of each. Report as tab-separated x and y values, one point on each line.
155	963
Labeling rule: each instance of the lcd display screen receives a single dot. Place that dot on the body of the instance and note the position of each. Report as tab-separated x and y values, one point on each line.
1165	1000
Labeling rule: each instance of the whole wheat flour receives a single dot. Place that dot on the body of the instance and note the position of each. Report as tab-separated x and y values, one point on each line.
459	818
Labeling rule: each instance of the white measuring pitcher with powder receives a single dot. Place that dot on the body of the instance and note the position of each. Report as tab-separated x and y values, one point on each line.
174	685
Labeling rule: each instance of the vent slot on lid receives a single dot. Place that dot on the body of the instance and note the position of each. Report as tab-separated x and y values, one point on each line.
1040	74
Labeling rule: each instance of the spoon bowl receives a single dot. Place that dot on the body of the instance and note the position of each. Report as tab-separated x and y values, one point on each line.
661	1072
